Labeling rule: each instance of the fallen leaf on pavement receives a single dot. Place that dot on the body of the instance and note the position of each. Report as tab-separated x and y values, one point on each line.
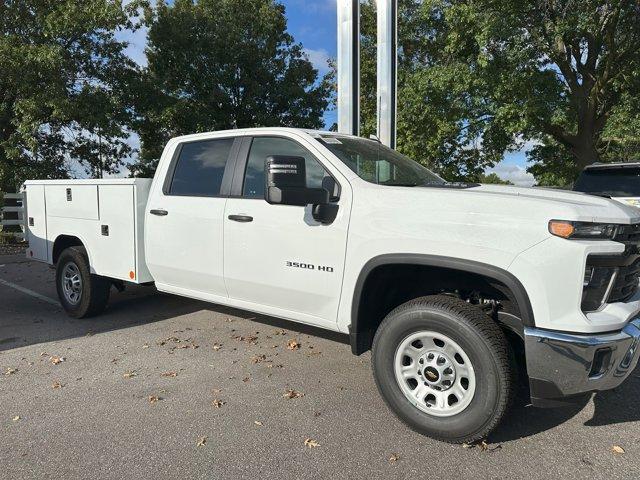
153	399
57	384
56	359
293	344
130	374
311	443
394	458
218	403
292	394
280	332
249	338
258	358
201	441
617	450
169	374
483	446
257	423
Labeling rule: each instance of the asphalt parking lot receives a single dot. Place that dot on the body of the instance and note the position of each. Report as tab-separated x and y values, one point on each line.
166	387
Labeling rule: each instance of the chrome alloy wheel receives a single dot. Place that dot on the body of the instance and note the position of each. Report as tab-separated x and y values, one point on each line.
434	373
71	283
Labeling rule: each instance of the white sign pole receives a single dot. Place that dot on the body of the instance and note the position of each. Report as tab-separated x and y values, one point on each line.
387	71
348	64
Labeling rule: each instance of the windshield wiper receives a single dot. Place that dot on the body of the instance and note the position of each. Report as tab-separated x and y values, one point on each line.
603	195
400	184
460	185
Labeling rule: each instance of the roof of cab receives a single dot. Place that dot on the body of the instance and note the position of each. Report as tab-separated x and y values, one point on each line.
249	131
604	166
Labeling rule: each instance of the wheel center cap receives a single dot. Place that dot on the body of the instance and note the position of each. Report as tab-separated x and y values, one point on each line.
431	374
439	372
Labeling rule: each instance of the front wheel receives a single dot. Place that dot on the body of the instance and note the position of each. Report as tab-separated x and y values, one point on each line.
81	293
444	368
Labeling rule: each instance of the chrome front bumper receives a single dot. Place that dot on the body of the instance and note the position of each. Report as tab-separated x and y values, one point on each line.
562	365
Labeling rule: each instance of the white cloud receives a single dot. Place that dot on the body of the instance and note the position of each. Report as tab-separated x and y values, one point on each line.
319	59
514	173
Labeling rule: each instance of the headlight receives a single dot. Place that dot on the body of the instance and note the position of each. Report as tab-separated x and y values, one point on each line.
582	230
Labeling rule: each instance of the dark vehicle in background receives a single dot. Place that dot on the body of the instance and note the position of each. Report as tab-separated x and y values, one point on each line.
620	181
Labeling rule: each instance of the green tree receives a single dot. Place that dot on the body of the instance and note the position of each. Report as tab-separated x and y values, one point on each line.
444	117
62	88
492	178
561	72
480	77
220	64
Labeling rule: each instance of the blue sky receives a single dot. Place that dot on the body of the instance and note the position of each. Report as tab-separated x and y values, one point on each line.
313	23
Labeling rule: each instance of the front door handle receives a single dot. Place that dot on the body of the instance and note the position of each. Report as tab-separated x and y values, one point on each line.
240	218
159	212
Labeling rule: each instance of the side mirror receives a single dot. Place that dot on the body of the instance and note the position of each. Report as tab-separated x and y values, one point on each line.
286	183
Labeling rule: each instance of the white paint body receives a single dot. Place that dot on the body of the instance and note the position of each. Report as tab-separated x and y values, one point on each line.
633	201
196	251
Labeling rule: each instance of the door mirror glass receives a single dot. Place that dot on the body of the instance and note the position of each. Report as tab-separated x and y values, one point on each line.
286	182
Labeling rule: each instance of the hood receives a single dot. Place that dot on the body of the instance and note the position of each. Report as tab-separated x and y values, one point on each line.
574	205
633	201
526	204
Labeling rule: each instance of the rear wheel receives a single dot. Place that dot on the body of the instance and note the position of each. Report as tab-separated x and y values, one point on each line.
444	368
81	293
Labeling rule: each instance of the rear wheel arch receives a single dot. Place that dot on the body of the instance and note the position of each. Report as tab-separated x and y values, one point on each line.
364	321
64	241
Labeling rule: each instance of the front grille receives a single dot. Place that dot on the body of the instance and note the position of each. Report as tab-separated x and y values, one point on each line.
628	234
626	283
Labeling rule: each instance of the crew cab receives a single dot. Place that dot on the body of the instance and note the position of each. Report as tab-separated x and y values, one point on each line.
455	288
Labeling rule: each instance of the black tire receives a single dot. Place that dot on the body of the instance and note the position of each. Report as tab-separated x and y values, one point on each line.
95	289
482	341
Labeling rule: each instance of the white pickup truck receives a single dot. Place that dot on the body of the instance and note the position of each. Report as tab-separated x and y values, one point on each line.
454	287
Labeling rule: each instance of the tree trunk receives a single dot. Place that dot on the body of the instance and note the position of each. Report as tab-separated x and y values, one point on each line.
585	152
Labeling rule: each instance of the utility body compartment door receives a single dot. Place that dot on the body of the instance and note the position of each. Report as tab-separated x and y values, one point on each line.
37	223
115	242
73	201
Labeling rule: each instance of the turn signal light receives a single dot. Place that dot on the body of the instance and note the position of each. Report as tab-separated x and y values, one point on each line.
561	229
583	230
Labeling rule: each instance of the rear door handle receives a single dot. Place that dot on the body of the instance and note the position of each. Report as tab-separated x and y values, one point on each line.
240	218
159	212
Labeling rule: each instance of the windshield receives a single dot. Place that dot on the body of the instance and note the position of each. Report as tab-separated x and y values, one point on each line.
614	182
375	163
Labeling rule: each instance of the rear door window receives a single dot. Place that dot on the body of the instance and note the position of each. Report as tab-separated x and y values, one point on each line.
200	168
